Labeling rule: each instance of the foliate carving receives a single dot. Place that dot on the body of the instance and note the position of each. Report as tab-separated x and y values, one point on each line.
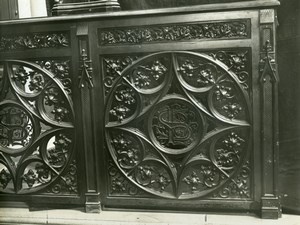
176	125
200	74
206	177
232	109
67	184
124	103
149	76
5	178
119	185
60	69
128	150
193	181
114	67
228	150
36	128
172	32
53	99
238	62
34	41
152	177
239	187
59	154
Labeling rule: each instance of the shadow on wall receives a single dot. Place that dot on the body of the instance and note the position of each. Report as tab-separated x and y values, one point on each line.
289	103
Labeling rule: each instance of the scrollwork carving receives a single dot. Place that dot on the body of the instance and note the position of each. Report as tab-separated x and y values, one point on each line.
174	32
34	41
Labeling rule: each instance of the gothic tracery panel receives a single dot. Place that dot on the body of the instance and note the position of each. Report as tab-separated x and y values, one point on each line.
177	125
36	128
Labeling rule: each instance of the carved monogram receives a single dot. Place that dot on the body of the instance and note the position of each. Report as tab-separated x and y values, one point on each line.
174	32
34	41
176	125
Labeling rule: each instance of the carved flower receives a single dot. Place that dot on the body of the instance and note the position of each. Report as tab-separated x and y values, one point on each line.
158	70
232	109
30	178
21	75
233	141
193	180
162	182
141	80
223	92
117	185
51	97
126	95
59	113
120	112
187	68
37	82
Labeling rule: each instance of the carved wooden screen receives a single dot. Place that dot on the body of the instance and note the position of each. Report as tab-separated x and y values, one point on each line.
178	123
37	118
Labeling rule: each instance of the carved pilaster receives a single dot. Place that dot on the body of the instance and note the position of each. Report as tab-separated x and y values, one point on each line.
269	117
92	195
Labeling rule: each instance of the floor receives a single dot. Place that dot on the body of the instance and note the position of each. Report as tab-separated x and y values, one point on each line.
22	216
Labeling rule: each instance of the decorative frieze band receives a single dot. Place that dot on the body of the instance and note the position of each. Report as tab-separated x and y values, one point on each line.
34	41
175	32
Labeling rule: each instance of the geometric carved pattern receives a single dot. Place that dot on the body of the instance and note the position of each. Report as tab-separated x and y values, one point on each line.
36	128
174	32
177	125
34	41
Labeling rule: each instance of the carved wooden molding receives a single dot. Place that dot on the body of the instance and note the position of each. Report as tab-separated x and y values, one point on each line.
34	41
175	32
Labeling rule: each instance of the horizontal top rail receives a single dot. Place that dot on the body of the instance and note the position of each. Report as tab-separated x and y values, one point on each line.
167	11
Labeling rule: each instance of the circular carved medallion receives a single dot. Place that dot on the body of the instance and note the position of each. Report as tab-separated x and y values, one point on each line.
16	130
175	125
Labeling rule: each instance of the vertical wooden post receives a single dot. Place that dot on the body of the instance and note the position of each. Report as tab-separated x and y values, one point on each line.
85	83
270	204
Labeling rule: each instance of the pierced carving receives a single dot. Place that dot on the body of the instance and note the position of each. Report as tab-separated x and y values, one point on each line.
178	32
36	126
33	41
60	69
5	178
173	137
16	127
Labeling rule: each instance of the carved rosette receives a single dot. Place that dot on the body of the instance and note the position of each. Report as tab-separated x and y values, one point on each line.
174	32
177	125
36	127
